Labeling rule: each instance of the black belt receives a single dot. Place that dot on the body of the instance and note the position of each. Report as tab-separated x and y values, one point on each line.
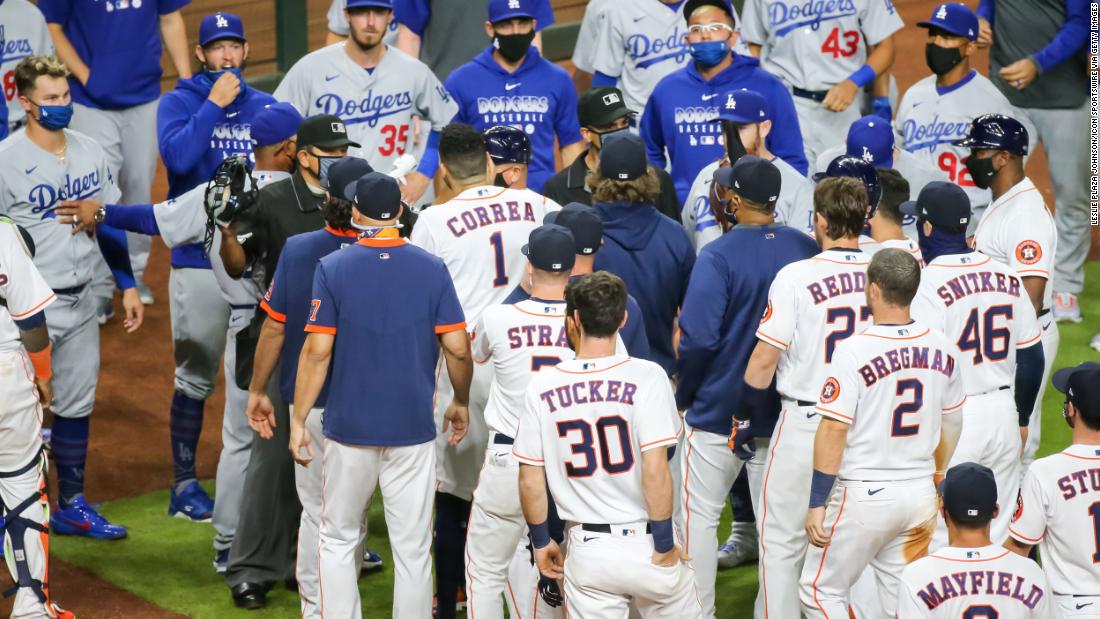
805	403
503	439
604	528
1043	313
815	95
242	307
75	290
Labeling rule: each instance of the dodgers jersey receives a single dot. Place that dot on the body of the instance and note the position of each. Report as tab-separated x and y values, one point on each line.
814	304
1018	230
817	45
1059	509
930	119
338	22
479	234
983	307
584	52
588	422
991	581
377	106
23	33
33	182
899	379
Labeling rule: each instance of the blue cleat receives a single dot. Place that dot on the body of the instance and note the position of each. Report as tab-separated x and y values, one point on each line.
191	504
371	560
221	561
79	518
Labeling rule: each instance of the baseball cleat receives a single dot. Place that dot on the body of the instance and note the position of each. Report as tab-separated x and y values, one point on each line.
144	293
371	560
736	551
1066	308
191	504
1095	342
79	518
105	311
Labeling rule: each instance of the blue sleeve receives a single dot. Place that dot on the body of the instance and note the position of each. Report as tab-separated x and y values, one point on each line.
56	11
33	321
113	246
985	10
633	332
566	125
1029	378
650	128
429	162
603	79
544	14
414	14
165	7
701	322
132	218
453	85
448	310
184	136
323	314
1071	38
785	140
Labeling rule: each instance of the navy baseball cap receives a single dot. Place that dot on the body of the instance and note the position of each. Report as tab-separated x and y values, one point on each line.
551	248
969	493
340	177
583	222
377	196
275	123
220	26
501	10
744	107
942	203
623	157
1081	384
691	5
955	18
381	4
872	139
752	178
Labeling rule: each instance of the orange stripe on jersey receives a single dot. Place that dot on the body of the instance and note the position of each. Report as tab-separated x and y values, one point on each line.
558	368
480	198
1024	344
1010	198
852	262
1076	456
825	552
771	340
661	440
826	411
951	408
320	329
1022	271
34	309
888	337
276	316
348	233
534	461
440	329
523	311
1024	537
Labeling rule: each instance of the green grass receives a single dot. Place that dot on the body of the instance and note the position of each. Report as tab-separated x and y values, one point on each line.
167	560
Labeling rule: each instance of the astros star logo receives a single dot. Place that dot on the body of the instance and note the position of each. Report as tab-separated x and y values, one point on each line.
1029	252
831	391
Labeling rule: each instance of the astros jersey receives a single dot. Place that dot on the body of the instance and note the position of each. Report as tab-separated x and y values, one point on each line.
32	184
973	582
377	106
23	33
1059	509
587	422
816	45
1018	230
930	119
813	305
892	384
907	245
982	306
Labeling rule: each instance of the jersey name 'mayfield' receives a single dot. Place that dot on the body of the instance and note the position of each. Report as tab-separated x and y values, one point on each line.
905	358
496	213
45	196
811	13
929	135
532	336
836	285
976	283
1079	482
980	582
589	392
369	109
646	52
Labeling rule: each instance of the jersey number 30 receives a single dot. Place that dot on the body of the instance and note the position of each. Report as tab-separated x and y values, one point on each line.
585	460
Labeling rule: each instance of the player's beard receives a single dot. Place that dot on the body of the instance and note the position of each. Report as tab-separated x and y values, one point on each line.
367	40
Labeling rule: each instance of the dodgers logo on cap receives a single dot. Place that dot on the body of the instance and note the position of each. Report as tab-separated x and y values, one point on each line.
513	4
221	21
942	13
731	103
867	156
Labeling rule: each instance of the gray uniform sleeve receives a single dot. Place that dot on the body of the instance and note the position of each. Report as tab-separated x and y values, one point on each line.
337	23
110	192
754	28
584	52
295	87
433	101
611	44
880	21
182	220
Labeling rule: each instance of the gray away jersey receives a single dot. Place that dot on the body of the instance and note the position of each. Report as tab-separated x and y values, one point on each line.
23	33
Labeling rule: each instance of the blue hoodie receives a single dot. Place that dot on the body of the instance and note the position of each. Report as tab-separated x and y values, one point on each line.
539	98
679	117
654	256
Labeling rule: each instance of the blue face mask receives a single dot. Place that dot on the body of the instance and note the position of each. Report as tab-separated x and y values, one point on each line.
55	117
940	243
709	53
212	76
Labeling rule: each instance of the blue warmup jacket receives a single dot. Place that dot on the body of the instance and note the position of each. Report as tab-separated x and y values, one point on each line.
679	117
654	256
725	300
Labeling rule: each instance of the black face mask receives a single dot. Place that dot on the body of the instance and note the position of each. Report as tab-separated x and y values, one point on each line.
940	243
499	181
514	46
981	171
735	149
942	59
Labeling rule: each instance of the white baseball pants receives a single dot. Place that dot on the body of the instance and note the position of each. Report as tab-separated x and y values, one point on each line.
236	440
458	466
1077	605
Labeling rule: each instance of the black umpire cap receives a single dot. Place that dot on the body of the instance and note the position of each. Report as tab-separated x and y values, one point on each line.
601	106
325	131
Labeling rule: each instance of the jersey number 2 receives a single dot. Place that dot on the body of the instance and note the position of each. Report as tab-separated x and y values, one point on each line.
848	315
832	43
956	169
986	340
585	448
897	427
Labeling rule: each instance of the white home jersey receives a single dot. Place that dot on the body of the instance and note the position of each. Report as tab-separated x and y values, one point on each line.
907	245
587	422
930	119
817	45
23	33
991	581
981	305
33	183
377	106
23	292
1059	509
479	234
1018	230
813	305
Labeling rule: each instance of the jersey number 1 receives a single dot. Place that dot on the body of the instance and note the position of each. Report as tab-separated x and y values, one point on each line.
1094	511
497	241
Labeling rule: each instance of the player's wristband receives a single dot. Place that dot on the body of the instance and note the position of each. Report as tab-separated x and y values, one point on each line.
540	534
663	540
1024	418
753	403
820	486
865	75
43	370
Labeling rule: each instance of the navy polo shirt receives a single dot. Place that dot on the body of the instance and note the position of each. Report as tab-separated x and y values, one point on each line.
287	298
386	302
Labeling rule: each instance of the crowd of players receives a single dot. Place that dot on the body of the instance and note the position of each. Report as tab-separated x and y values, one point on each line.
721	175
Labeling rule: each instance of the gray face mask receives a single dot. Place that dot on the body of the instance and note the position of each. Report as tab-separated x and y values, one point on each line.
324	165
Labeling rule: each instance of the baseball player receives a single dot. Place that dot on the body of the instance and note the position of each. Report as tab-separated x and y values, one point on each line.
746	112
510	150
1057	508
40	165
375	89
862	170
972	577
24	33
594	429
813	305
723	300
1020	232
338	25
584	52
821	52
936	111
25	381
981	305
888	223
890	411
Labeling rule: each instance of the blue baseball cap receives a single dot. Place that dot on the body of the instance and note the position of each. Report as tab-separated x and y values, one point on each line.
583	222
944	204
1081	385
954	17
377	196
340	177
872	139
381	4
743	107
551	248
501	10
220	26
969	493
623	158
275	123
753	178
